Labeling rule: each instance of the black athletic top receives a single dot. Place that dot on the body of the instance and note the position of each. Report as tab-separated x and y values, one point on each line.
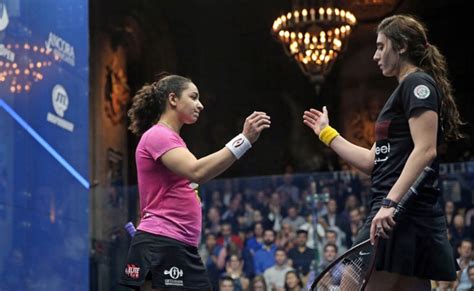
393	139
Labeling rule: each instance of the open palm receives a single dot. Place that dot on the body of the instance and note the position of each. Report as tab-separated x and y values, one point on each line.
316	120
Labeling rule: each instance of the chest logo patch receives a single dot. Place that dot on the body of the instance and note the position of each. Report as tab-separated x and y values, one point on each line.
421	92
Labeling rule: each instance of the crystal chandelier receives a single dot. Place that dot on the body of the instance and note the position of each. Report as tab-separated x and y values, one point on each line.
314	33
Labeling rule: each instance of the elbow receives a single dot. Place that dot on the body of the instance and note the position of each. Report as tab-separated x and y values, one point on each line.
431	154
200	180
198	177
428	153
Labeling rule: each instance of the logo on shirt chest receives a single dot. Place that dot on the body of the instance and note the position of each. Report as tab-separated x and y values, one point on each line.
382	151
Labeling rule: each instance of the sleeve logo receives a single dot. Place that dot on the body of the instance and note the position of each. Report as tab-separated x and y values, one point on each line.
421	92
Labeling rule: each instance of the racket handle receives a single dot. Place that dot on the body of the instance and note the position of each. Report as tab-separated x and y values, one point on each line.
130	228
413	191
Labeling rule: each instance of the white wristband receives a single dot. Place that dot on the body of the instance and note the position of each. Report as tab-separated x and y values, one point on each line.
239	145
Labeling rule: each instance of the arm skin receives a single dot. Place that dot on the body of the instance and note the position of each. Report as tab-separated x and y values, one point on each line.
182	162
358	157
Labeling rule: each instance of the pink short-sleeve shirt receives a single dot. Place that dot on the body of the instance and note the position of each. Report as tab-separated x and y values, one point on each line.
169	205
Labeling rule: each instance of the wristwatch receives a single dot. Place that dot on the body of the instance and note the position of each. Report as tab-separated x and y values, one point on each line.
388	203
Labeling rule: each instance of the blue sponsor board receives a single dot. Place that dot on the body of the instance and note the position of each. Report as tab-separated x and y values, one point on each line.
44	145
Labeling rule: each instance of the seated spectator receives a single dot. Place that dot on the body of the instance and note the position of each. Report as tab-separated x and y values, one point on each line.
248	213
293	218
264	258
248	259
291	190
449	212
470	273
258	217
351	202
356	223
226	284
275	215
227	237
286	237
329	255
216	200
258	284
458	229
308	226
465	260
334	220
332	236
443	286
255	243
330	252
242	229
210	252
275	275
233	211
301	256
234	267
213	222
261	201
293	281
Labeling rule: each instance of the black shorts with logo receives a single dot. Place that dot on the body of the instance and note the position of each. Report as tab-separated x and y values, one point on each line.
167	262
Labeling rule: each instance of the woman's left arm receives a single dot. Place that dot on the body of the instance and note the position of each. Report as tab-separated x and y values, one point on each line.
423	128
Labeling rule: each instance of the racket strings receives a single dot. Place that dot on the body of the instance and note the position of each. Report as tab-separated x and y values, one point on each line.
346	275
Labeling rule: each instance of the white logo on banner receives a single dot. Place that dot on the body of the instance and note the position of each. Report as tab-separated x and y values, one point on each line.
6	53
61	49
60	101
4	20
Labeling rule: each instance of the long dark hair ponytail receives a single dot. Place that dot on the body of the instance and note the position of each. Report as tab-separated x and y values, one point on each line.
406	31
150	101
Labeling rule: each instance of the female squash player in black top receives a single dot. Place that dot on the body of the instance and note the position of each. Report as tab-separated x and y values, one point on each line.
416	118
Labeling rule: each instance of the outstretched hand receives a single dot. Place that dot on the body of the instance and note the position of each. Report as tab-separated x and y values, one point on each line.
254	124
316	120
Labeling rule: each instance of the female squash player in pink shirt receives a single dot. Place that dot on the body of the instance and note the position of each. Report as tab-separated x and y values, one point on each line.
164	248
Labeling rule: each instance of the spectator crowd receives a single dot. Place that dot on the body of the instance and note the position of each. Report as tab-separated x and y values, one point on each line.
280	234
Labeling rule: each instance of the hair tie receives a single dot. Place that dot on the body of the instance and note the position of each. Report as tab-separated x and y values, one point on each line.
427	44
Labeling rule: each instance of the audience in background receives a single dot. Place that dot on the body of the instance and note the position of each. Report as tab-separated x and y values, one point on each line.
258	284
293	281
301	256
275	275
264	258
234	270
265	239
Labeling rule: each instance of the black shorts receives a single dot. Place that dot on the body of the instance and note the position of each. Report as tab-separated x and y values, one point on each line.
167	262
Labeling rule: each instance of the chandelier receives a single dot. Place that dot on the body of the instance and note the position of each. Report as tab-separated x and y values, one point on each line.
314	33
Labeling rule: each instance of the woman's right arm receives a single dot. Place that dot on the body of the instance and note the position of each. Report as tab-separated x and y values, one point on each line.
182	162
358	157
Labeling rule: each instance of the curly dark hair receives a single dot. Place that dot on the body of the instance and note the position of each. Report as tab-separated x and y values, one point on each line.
150	101
406	31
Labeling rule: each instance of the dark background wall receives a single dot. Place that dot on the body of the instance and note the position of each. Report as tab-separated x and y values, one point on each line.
226	48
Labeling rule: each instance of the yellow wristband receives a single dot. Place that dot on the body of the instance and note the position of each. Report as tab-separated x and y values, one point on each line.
327	135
